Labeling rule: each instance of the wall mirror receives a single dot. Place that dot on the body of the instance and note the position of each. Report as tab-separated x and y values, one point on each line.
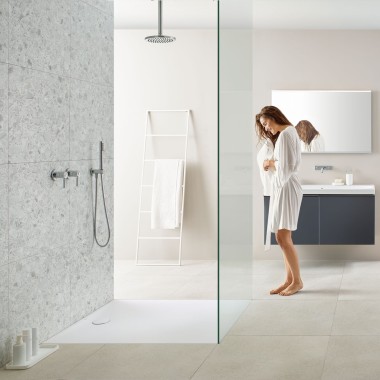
328	121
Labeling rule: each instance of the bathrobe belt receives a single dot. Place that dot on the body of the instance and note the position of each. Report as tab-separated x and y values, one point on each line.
269	225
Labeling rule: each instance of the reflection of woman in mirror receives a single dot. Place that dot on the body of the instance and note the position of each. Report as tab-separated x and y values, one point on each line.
286	195
311	139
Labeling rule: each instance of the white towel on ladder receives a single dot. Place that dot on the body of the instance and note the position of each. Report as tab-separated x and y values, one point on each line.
167	194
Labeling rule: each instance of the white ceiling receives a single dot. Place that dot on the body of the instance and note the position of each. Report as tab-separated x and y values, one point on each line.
259	14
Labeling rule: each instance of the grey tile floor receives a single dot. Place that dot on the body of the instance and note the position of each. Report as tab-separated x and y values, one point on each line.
329	331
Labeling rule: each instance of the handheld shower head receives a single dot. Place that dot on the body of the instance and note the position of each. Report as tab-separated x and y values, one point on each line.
101	150
159	38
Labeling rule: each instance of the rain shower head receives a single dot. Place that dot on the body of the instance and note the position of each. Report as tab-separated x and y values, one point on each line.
159	39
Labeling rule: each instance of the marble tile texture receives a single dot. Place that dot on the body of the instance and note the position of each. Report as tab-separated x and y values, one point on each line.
39	35
91	44
91	120
3	214
4	31
38	116
4	302
38	209
40	289
91	272
3	114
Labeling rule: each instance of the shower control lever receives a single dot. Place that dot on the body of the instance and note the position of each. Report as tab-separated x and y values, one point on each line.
59	175
74	173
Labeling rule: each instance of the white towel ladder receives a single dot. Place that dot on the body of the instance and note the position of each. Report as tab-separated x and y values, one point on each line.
179	238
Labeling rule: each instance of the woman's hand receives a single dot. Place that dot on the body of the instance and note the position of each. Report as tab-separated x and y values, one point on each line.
268	164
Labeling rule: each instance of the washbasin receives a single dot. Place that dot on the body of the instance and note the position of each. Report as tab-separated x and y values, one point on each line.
343	189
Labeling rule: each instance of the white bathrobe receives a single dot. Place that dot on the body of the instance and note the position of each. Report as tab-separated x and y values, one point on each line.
265	153
286	195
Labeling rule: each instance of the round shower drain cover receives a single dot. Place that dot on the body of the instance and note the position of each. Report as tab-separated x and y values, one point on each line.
101	321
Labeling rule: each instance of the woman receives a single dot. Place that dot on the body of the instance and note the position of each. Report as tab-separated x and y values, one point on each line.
286	194
312	141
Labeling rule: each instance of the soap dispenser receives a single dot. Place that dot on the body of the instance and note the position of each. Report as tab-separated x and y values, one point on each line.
19	352
349	177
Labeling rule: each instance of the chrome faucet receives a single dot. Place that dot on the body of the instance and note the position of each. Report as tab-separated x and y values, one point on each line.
322	168
54	175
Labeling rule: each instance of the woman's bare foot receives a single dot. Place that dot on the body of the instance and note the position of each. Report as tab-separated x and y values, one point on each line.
280	288
294	287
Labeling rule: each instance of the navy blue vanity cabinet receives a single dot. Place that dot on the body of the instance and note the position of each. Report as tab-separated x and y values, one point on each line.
333	219
308	222
347	219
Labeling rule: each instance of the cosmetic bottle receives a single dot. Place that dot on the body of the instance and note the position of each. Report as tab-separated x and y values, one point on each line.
27	337
35	344
19	352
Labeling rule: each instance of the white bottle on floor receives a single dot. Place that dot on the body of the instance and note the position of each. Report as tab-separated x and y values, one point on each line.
35	344
19	352
27	336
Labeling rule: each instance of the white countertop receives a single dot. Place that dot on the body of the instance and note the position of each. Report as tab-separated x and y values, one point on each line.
338	189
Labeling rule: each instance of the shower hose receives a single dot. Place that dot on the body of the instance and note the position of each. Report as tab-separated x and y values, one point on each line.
105	211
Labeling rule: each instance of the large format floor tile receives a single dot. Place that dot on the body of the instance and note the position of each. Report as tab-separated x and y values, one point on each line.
352	358
265	358
357	318
360	286
362	267
142	362
56	365
265	317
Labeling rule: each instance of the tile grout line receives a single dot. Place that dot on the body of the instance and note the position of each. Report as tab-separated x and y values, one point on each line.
93	6
52	161
203	362
86	358
62	75
333	319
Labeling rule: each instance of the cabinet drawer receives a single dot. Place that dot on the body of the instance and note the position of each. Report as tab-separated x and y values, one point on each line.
346	219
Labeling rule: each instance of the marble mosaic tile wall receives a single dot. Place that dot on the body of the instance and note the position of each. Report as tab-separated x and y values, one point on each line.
56	104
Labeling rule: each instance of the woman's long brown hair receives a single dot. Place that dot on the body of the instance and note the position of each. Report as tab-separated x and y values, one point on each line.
306	131
273	113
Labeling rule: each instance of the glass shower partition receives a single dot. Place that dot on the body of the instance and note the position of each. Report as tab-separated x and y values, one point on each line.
235	145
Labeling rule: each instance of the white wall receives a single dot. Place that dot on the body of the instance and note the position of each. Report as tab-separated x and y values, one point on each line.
181	75
325	60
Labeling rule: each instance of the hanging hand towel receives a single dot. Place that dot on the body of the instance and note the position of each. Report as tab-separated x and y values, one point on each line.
167	194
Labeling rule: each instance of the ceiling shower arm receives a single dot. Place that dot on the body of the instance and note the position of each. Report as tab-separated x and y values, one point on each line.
159	17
